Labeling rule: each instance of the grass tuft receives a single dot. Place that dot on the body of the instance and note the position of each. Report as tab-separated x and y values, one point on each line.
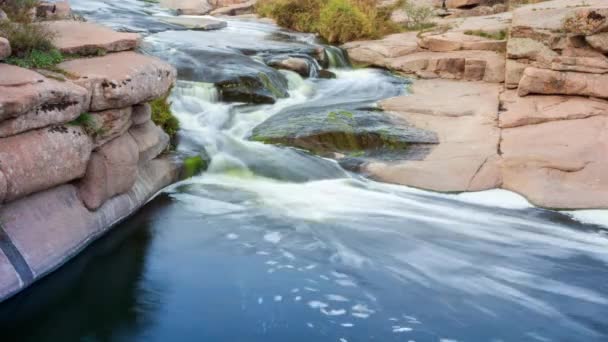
163	117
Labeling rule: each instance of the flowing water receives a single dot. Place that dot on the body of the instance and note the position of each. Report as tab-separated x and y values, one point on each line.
274	244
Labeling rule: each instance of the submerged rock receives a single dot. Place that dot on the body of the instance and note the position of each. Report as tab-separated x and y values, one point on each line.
197	23
347	131
256	88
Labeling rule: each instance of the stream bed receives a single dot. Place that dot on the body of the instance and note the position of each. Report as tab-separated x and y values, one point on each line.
275	244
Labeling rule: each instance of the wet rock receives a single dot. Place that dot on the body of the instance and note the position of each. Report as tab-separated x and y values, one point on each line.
299	65
542	81
530	110
84	38
326	132
5	48
122	79
109	124
188	7
112	170
559	164
40	159
29	100
326	74
238	7
463	115
142	113
599	41
197	23
11	282
151	141
258	88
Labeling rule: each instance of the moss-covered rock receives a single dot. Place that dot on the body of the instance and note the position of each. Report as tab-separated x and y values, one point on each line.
259	88
343	131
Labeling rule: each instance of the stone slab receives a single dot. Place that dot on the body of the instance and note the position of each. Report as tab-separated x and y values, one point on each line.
84	38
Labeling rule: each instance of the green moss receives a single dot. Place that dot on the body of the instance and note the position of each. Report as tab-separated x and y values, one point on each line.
163	117
87	122
500	35
268	85
341	114
193	166
37	59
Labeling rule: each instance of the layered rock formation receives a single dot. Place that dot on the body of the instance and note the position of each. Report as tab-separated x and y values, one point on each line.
76	155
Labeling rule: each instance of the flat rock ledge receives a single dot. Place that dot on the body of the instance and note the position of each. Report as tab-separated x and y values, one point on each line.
83	38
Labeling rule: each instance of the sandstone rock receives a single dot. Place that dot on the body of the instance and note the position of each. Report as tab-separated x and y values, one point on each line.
541	81
599	41
592	65
142	113
112	170
58	10
28	100
43	158
494	23
453	41
514	70
587	21
238	8
526	48
559	164
188	7
377	52
5	48
531	110
150	139
83	38
197	23
462	3
471	65
123	79
298	65
110	124
464	117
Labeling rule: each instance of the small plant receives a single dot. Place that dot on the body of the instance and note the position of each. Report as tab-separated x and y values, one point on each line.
500	35
419	16
87	122
20	11
163	117
38	59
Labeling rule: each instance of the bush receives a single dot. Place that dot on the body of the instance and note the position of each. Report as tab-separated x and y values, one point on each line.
163	117
19	10
419	16
337	21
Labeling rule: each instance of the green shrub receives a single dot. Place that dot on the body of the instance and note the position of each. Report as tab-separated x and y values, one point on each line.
163	117
419	16
340	22
19	10
37	59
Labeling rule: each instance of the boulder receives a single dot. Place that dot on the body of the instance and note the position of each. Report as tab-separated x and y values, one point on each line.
463	115
326	132
587	21
530	110
453	41
196	23
142	113
58	10
559	164
471	65
40	159
151	141
84	38
109	124
260	87
295	64
188	7
542	81
237	8
122	79
29	100
462	3
599	41
5	48
112	170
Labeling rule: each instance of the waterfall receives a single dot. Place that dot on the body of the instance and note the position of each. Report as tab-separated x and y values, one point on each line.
337	57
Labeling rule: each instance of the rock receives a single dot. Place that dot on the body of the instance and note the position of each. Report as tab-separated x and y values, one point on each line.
28	100
123	79
51	227
10	280
463	115
462	3
84	38
5	48
326	74
587	21
453	41
197	23
3	15
295	64
592	65
109	124
261	87
150	139
188	7
559	164
142	113
235	9
514	70
40	159
492	24
377	52
599	41
531	110
112	170
330	131
526	48
470	65
59	10
541	81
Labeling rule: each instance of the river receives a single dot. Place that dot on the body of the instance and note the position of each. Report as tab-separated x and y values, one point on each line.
274	244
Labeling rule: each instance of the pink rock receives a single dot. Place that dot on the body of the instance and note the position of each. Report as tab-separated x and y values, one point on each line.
587	21
142	113
5	48
151	139
188	7
112	170
83	38
40	159
10	282
453	41
599	41
541	81
58	10
123	79
110	124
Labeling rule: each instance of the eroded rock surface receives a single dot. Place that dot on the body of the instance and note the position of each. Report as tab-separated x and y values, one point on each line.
83	38
150	139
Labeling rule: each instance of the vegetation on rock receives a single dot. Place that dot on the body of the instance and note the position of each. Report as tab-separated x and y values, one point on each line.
500	35
418	16
163	117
